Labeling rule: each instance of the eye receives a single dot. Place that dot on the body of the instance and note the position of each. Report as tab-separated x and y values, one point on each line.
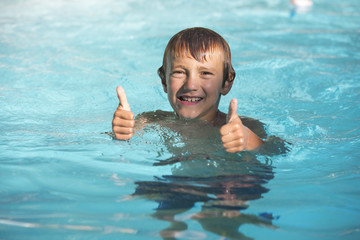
206	74
177	73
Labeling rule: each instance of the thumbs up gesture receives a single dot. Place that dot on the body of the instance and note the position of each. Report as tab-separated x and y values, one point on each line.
123	121
234	135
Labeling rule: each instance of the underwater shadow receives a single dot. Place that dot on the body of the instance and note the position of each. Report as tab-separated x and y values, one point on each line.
223	197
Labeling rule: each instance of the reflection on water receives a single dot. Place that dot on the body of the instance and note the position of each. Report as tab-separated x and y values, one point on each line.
222	197
203	173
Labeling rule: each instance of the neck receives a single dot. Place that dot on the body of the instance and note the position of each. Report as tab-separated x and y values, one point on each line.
219	120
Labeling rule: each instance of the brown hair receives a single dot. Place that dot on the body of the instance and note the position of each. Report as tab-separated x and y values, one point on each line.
197	41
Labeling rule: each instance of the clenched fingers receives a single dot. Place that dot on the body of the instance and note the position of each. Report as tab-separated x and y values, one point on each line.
123	114
123	133
119	122
233	137
123	124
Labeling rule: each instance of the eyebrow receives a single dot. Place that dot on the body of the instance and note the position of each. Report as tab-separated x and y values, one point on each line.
178	66
206	68
200	68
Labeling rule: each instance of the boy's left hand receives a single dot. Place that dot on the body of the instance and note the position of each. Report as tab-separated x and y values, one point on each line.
234	135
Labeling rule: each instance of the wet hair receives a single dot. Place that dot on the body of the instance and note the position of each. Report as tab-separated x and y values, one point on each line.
197	42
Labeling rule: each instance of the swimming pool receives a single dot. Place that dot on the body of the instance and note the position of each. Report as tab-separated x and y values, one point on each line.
61	177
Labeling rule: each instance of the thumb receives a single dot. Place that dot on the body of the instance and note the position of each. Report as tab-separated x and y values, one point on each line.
232	114
122	98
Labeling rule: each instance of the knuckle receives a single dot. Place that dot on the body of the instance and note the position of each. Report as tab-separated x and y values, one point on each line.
236	126
132	123
117	136
222	131
123	136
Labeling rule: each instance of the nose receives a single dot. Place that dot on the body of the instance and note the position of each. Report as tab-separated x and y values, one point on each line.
191	83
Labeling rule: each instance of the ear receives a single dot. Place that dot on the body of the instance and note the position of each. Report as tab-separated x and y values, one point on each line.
163	81
227	86
161	74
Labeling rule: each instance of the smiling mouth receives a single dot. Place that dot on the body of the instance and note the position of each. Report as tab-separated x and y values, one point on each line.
190	99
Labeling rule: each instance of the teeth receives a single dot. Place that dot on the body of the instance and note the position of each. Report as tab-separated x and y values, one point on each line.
188	99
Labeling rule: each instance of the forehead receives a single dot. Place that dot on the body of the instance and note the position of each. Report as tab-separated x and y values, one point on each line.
214	54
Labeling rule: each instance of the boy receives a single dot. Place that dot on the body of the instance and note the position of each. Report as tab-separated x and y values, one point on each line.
196	71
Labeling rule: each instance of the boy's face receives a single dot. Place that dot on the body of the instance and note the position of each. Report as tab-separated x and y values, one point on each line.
194	88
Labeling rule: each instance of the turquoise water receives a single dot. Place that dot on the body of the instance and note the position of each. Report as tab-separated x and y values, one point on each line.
61	177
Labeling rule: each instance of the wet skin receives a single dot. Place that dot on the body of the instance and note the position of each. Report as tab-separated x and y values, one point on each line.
194	88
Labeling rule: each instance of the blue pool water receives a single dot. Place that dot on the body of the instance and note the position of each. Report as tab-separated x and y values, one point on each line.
61	177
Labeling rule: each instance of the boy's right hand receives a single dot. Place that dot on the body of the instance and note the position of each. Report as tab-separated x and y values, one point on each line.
123	122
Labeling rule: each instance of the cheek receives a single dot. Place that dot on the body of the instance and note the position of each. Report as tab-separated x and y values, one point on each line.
173	85
213	87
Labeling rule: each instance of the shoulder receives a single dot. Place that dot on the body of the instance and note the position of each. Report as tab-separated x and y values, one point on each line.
255	125
154	116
